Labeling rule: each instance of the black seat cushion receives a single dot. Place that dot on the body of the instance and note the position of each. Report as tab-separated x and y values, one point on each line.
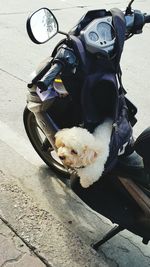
142	147
132	167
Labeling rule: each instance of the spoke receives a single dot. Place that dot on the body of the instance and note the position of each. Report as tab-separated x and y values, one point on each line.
46	145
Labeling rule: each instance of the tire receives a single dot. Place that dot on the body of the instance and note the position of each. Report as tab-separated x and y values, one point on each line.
41	143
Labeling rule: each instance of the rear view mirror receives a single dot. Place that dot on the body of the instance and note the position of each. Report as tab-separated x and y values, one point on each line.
42	26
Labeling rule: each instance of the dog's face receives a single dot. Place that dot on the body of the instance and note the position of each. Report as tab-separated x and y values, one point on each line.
76	147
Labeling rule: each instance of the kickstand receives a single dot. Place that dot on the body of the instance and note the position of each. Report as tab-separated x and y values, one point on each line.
108	236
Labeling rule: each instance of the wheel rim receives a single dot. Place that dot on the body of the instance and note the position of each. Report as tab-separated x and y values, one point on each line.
38	138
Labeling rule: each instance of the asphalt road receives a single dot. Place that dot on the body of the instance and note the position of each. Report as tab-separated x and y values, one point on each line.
20	165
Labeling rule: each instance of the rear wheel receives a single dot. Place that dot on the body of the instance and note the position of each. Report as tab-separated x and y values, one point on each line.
41	143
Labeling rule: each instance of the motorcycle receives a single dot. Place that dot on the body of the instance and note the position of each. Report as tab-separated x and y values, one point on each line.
123	194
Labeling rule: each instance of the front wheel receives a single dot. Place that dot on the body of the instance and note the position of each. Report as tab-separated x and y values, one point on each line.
41	143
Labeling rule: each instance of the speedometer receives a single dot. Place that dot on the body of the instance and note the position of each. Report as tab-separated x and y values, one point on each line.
99	35
105	31
93	36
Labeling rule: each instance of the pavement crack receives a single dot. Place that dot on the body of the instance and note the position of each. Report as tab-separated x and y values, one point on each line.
27	12
12	13
70	7
12	75
134	244
12	260
32	248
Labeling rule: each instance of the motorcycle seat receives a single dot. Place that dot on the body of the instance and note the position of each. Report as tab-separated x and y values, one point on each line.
132	167
142	147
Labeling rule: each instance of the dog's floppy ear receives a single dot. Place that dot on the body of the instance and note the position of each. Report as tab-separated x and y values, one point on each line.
58	142
90	154
94	152
59	138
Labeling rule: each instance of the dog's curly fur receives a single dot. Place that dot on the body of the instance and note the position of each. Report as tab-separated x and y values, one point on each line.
85	152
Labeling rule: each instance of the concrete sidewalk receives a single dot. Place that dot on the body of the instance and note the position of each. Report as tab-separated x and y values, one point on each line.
33	236
14	252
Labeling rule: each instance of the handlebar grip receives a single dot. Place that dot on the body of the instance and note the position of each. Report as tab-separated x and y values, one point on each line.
49	77
147	18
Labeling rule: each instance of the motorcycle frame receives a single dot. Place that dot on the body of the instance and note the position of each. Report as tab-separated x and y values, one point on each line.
49	128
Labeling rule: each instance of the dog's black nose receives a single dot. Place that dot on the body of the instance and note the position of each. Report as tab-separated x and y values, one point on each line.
62	157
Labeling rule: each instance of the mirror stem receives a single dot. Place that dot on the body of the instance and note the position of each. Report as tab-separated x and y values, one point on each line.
129	8
64	33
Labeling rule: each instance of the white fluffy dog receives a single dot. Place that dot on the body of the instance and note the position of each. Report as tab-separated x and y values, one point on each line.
85	152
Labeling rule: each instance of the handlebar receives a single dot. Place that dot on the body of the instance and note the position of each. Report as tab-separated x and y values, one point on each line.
147	18
49	77
135	22
64	57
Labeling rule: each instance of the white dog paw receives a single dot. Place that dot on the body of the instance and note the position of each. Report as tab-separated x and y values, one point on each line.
85	183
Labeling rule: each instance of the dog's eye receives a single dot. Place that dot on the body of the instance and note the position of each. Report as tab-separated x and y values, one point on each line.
74	152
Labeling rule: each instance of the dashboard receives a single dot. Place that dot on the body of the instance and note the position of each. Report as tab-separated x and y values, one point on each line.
99	35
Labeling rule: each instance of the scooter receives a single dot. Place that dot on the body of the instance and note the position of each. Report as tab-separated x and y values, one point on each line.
123	195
